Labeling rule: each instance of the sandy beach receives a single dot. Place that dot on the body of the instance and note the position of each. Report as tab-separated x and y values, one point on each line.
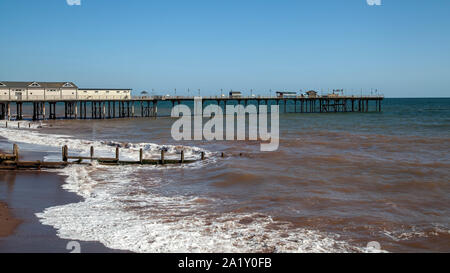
24	193
8	223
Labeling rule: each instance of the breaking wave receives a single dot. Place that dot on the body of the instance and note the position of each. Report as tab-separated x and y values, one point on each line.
123	208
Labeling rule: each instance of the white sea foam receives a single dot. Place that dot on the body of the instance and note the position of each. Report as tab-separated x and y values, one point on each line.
128	151
121	213
123	210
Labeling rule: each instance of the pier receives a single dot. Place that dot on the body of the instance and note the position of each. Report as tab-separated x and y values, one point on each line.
134	107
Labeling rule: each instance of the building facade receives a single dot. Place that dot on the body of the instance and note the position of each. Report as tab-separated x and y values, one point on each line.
34	91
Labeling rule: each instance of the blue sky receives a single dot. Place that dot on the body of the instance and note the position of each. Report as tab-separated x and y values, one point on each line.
401	48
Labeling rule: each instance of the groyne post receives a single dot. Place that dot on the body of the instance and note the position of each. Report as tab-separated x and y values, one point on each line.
16	152
65	153
162	157
92	153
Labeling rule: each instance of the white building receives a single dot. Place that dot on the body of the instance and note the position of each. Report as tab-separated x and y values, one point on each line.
32	91
104	93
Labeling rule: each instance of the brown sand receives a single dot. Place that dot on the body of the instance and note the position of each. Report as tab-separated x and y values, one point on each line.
8	223
22	195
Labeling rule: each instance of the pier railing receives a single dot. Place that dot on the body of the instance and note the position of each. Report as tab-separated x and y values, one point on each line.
251	97
33	98
81	97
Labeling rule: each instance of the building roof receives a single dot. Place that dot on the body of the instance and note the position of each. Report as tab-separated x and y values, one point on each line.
105	89
38	84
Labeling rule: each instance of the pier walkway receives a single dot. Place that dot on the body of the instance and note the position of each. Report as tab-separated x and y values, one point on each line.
111	107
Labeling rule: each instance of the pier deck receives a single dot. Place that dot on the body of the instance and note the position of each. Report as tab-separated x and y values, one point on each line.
103	108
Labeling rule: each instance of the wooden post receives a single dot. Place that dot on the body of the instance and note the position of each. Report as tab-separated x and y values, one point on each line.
18	125
117	152
182	157
65	153
141	155
222	155
203	155
92	152
162	156
16	152
6	125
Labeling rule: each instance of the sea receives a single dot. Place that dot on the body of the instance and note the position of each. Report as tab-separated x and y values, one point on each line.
338	182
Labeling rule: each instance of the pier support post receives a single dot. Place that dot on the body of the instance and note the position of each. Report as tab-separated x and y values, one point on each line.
113	110
19	111
8	111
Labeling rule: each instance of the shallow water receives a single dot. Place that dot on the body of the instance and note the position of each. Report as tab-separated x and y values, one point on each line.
337	182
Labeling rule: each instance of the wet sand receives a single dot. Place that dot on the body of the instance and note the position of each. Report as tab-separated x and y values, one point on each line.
26	193
8	223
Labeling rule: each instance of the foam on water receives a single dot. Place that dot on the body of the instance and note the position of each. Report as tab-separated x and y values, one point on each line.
121	213
128	151
123	209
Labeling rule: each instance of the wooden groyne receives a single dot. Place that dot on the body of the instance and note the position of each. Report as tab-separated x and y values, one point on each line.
148	106
12	161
